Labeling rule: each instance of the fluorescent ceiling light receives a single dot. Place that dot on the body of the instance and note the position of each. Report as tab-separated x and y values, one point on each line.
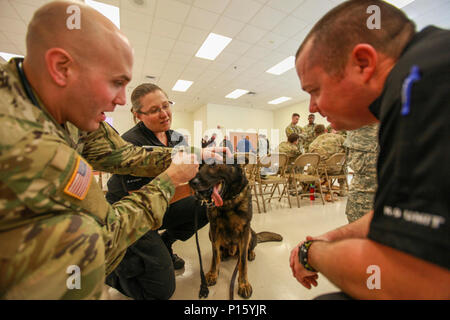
213	46
109	11
399	3
182	85
6	56
283	66
236	93
279	100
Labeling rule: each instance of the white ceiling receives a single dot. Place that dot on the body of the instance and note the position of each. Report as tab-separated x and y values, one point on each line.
166	34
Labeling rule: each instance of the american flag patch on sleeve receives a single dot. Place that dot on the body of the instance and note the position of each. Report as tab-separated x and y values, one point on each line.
80	180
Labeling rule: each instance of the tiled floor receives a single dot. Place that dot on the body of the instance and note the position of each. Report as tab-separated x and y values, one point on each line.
269	274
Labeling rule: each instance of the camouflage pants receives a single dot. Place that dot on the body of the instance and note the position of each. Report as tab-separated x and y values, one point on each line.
360	197
363	186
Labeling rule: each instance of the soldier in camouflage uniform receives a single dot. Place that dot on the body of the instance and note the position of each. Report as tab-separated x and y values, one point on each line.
290	148
309	132
327	144
53	214
362	151
294	128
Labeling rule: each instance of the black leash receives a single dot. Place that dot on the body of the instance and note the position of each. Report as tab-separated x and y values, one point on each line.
233	280
204	291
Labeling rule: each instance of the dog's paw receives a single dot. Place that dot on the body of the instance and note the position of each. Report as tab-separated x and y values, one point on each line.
211	278
245	290
251	256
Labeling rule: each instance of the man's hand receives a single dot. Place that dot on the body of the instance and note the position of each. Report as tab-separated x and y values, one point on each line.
183	168
305	277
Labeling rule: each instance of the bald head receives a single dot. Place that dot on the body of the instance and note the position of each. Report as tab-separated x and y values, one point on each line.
78	62
92	39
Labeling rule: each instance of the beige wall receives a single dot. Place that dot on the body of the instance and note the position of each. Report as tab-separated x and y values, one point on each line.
122	119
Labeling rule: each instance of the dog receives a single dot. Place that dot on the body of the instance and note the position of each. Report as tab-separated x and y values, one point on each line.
224	188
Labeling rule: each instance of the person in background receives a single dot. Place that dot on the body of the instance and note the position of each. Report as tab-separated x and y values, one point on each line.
227	143
293	127
263	146
361	153
309	132
244	145
147	270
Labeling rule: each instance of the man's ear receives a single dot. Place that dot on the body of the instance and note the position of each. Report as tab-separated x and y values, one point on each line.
364	60
59	63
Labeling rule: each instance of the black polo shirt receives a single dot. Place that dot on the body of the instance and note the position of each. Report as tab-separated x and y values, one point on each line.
412	203
139	135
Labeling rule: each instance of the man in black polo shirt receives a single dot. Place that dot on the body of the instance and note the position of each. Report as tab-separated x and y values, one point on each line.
356	75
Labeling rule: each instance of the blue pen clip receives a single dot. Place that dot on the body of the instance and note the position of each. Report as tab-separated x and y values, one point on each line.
413	76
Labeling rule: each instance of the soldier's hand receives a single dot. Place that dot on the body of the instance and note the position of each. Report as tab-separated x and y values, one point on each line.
216	153
183	168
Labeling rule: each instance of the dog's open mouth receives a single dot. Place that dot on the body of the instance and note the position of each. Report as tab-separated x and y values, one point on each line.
212	196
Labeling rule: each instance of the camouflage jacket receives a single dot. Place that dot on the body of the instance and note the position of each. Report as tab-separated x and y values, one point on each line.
290	149
327	144
309	134
46	171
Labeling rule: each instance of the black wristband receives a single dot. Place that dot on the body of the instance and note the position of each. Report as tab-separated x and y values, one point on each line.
303	255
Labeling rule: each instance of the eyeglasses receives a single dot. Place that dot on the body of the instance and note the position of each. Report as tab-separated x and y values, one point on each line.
155	110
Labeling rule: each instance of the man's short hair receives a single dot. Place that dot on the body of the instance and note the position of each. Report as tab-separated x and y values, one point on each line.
319	129
295	115
335	34
293	137
311	115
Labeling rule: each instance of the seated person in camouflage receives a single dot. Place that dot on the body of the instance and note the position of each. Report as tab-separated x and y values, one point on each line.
327	144
54	219
147	270
290	148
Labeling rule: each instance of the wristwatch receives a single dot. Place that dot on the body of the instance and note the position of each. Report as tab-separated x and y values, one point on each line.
303	255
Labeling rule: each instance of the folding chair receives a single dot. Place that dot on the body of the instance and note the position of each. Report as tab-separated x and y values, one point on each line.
275	159
335	170
299	175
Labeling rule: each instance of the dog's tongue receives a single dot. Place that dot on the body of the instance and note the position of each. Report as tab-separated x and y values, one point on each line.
216	197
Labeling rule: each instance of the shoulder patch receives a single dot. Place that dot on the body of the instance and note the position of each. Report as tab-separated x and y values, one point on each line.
80	181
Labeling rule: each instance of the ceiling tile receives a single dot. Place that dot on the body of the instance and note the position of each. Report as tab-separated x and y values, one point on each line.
228	27
9	25
186	48
286	6
271	41
267	18
161	43
135	20
251	34
217	6
313	10
25	11
172	10
166	28
242	10
143	7
237	47
193	35
202	19
289	26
